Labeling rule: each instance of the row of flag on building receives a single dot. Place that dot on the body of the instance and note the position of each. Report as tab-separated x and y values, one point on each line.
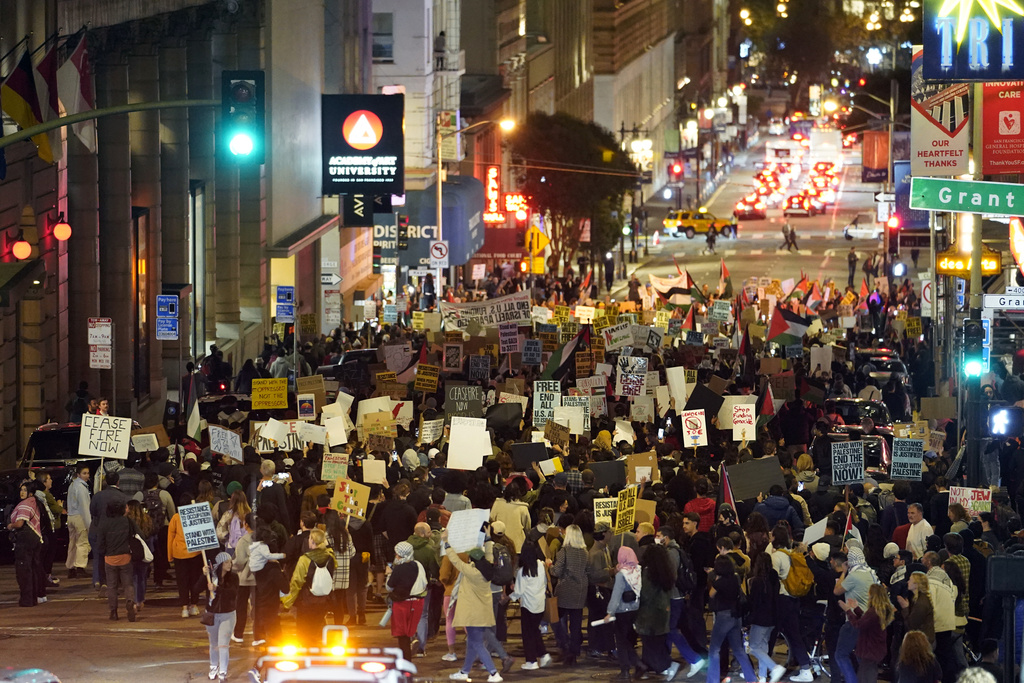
32	94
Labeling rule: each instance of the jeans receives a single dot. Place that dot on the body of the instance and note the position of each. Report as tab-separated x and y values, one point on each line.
492	643
727	628
220	640
675	636
788	616
533	642
844	652
624	640
358	573
122	575
569	634
140	572
476	652
759	636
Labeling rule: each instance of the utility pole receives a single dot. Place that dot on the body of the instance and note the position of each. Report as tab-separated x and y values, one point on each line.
972	383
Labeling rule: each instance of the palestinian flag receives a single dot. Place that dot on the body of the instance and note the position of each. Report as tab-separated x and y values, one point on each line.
688	320
814	299
864	291
586	281
563	359
787	327
744	347
848	530
725	496
678	269
671	290
799	291
765	406
409	374
194	427
724	282
695	291
813	390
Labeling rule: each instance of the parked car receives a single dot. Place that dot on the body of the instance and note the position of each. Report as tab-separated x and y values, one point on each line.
863	227
352	369
691	223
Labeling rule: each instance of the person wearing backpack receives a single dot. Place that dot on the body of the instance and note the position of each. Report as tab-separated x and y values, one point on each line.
727	602
310	589
786	561
161	509
686	582
408	585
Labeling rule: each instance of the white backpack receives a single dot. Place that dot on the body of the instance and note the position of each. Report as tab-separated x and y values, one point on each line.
322	583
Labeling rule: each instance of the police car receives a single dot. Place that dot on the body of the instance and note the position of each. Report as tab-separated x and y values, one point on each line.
334	660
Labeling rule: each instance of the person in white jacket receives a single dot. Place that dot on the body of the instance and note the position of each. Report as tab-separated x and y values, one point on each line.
79	520
530	589
943	593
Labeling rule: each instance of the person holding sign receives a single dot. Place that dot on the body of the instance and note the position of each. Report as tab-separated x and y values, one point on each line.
188	566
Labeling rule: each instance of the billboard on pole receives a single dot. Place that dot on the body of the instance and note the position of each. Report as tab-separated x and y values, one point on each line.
939	112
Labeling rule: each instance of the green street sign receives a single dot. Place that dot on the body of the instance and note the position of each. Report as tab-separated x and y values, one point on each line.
966	196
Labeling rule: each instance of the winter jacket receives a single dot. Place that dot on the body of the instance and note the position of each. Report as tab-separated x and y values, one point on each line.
113	536
298	587
425	552
570	568
516	517
241	561
871	642
776	509
809	479
705	507
652	617
408	581
176	548
473	606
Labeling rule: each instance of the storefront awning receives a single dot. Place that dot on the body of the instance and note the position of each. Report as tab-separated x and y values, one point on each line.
303	237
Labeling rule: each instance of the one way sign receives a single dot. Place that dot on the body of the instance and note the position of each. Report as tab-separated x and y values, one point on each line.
885	197
330	279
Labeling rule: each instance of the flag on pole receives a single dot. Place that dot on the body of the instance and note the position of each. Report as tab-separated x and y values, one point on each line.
75	85
724	282
848	529
19	97
765	406
49	107
688	320
194	428
814	299
864	291
562	359
787	327
725	496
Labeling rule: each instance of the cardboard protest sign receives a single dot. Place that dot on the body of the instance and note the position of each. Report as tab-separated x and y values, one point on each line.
584	363
313	384
725	412
426	377
269	393
743	421
646	511
641	466
617	336
556	433
755	476
198	528
453	358
375	472
334	466
379	443
514	398
105	436
936	439
525	454
625	510
695	428
907	457
162	438
143	443
973	500
847	462
607	473
226	441
381	423
350	498
604	510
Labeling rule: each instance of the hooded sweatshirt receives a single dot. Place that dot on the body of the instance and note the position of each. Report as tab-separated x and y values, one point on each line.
705	507
425	552
775	509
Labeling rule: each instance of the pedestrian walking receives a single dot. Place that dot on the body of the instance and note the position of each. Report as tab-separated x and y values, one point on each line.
222	587
786	230
79	521
113	543
140	568
792	239
188	566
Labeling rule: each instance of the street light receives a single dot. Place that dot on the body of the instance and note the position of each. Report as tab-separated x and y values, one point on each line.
830	106
505	124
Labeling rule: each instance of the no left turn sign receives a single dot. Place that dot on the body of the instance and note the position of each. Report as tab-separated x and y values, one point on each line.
439	254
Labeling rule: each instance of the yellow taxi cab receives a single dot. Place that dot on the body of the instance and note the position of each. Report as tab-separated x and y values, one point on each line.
690	223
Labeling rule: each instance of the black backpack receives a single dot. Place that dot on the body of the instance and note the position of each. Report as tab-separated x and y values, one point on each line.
154	508
686	577
504	571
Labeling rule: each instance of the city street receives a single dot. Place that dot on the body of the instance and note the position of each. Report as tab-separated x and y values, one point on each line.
755	253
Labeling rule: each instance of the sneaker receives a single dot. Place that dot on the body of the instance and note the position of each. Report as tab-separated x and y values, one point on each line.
805	676
254	675
222	676
672	671
449	657
495	678
421	653
506	664
184	615
458	676
52	582
543	629
696	667
213	673
193	611
131	610
235	639
776	674
545	660
258	643
40	601
415	645
529	666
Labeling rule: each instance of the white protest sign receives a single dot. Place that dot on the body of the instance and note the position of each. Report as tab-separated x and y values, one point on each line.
676	377
473	443
546	395
695	428
725	412
743	421
583	404
623	432
276	431
226	441
309	432
375	472
661	395
145	443
907	457
973	500
431	430
198	527
508	338
105	436
338	429
466	529
847	462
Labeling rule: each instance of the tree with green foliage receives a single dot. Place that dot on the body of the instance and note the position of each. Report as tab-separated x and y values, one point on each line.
570	170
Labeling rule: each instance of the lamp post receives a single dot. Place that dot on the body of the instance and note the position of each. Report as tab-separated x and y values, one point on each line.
505	124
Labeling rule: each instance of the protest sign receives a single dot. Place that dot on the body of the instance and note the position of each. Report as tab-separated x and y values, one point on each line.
642	409
646	511
907	455
269	393
463	400
508	338
625	509
375	472
936	439
198	528
641	466
466	529
847	462
227	442
676	378
479	367
314	384
379	443
556	433
631	375
577	409
453	358
550	468
695	429
381	423
426	377
743	421
532	352
338	429
143	443
105	436
311	433
334	466
307	406
584	363
663	399
755	476
514	308
525	454
162	438
973	500
431	430
350	498
604	509
608	473
546	395
473	443
617	336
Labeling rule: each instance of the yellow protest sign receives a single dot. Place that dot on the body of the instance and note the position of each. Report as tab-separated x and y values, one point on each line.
418	320
350	498
625	510
426	377
269	393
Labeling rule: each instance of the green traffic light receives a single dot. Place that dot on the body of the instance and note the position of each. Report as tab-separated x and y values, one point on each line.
241	144
972	368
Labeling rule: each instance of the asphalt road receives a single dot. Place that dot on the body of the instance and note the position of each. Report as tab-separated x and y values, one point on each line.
755	252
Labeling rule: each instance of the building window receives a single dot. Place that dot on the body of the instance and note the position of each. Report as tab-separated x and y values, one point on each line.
383	37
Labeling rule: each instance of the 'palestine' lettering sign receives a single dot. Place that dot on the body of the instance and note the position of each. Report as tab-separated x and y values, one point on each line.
198	528
847	462
906	459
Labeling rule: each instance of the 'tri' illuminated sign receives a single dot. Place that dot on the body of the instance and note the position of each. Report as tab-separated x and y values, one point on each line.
973	40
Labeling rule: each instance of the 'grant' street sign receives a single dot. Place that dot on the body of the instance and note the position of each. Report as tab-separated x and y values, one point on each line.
967	196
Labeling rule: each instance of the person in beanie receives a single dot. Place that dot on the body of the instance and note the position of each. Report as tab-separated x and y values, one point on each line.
222	585
408	585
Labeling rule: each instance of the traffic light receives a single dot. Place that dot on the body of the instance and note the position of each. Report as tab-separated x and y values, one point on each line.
243	108
675	171
403	232
974	341
521	238
524	266
862	82
893	226
1006	421
377	256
